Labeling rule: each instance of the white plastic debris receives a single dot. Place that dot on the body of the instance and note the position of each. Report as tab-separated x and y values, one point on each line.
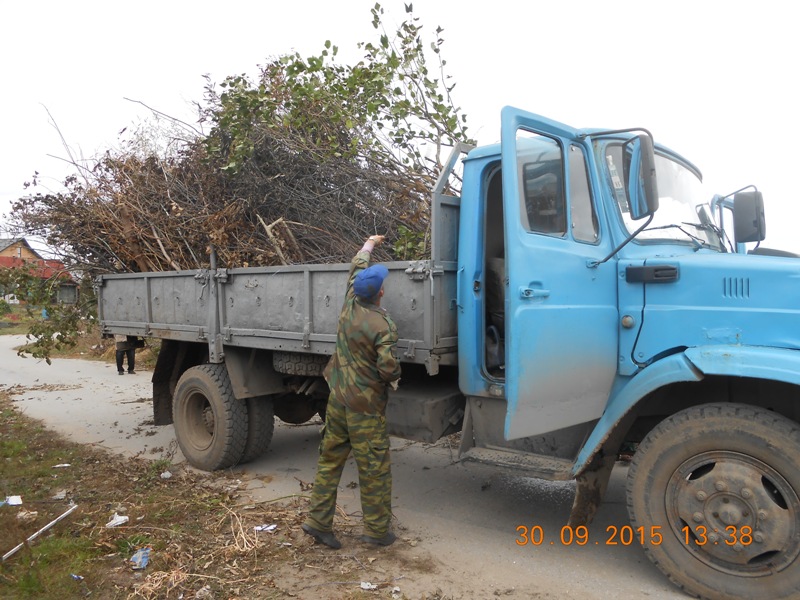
14	500
62	466
396	592
366	585
267	528
26	516
166	475
117	520
60	495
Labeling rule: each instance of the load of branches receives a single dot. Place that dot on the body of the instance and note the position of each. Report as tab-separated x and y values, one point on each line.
298	166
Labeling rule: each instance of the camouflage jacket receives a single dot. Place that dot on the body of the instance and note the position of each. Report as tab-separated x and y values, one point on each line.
364	362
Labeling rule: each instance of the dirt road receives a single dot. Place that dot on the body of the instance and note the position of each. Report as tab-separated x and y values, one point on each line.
466	516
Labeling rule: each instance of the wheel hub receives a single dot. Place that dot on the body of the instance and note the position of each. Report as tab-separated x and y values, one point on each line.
208	419
735	513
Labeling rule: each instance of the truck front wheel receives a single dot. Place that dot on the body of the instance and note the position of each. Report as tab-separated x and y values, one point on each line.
210	423
715	492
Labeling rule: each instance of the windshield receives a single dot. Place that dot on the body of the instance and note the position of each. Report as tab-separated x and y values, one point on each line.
683	213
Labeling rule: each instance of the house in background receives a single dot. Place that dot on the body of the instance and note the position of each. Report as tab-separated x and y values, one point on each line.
17	252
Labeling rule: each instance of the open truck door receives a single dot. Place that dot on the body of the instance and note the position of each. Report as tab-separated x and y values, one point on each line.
561	326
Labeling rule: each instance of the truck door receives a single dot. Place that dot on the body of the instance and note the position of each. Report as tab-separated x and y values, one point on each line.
561	311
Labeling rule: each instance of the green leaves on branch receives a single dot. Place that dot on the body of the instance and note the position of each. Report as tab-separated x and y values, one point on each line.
53	326
410	245
387	109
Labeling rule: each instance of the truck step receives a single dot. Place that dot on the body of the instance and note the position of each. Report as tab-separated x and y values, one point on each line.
534	465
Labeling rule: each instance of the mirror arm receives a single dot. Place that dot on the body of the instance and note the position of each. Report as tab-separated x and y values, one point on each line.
595	263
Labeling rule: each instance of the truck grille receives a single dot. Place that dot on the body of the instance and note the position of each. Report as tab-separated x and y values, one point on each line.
736	287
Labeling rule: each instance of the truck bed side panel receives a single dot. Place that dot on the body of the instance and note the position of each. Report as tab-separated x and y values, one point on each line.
293	308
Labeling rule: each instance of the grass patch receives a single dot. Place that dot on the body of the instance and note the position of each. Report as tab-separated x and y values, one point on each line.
182	519
16	321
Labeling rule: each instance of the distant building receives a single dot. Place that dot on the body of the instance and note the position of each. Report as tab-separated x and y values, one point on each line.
17	252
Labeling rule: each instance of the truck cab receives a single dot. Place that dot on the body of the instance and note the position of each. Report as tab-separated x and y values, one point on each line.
610	307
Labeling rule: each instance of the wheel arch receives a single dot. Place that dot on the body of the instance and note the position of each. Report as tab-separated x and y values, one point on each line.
764	377
174	359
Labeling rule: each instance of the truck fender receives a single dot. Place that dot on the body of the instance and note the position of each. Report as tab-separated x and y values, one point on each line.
592	469
672	369
775	364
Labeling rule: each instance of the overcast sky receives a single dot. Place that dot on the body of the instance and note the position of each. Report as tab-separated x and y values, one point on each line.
714	80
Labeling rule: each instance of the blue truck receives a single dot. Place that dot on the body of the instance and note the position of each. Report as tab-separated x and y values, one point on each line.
582	295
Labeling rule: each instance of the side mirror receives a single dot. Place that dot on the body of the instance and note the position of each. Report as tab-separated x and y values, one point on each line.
749	224
642	185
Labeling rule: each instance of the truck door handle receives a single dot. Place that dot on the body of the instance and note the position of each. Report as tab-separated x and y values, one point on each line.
527	292
652	274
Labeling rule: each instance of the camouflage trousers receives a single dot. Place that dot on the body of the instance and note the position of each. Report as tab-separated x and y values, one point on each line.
366	436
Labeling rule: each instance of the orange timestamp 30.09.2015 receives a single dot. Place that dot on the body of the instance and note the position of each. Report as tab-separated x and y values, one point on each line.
627	535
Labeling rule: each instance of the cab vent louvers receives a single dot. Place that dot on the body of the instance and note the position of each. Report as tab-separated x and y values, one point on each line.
736	287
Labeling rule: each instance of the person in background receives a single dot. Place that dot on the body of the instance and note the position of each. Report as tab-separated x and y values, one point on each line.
126	347
363	365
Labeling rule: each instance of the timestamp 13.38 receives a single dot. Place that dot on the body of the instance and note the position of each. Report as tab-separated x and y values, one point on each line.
626	535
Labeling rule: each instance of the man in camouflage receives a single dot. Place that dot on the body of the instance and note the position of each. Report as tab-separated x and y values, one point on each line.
361	368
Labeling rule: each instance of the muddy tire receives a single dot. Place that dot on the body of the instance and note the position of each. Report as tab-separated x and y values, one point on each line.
260	427
721	484
210	423
295	363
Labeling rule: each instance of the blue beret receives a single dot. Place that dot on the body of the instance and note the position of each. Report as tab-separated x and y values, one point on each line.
369	281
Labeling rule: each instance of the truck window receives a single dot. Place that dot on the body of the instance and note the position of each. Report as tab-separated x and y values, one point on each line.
583	218
541	168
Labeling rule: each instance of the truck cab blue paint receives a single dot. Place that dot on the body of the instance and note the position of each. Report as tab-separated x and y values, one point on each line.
479	165
773	364
585	339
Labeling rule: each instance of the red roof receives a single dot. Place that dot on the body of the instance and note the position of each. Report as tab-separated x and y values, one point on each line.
42	268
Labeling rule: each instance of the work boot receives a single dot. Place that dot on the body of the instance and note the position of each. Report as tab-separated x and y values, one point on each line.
322	537
386	540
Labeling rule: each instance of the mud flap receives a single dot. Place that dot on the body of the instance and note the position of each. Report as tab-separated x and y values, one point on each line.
591	488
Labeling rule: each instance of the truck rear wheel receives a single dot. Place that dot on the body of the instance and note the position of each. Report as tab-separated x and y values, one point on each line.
260	427
210	423
721	484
